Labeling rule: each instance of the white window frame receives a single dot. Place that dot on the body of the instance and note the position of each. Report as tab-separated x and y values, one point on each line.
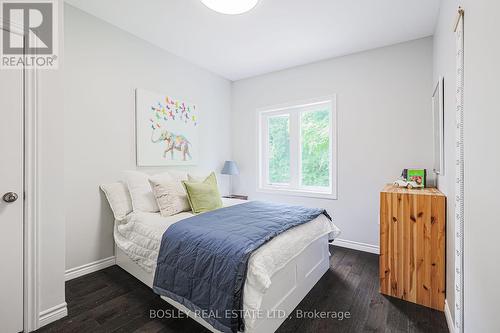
294	111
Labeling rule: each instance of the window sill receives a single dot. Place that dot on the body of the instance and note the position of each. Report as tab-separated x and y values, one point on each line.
297	193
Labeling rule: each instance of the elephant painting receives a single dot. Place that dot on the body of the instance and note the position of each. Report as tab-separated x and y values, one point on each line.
174	142
167	130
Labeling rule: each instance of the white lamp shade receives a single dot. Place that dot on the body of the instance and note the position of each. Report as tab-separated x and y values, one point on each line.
230	168
231	7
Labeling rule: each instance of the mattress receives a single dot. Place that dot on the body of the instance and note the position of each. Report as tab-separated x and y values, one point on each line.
139	235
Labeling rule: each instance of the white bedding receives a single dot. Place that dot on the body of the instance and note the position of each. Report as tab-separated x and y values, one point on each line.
139	236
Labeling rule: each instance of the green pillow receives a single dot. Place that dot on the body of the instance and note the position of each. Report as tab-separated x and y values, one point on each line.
203	196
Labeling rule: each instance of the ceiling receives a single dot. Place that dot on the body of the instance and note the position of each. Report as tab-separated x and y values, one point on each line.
275	35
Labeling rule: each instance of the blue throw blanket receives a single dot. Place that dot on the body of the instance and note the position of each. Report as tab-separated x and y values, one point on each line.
203	259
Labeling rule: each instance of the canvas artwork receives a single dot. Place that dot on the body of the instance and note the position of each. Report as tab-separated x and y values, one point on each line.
166	130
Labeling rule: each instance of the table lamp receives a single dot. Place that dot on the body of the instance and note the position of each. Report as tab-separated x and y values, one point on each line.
230	168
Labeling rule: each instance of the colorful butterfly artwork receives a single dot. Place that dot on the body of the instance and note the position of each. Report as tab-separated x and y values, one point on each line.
172	110
166	130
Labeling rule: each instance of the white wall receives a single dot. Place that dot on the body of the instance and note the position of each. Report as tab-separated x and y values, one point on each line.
482	162
445	66
384	125
103	67
482	227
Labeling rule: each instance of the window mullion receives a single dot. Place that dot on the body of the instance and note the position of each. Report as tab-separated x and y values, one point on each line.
265	151
294	149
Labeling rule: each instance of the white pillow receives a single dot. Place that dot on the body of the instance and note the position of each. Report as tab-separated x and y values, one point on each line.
140	190
118	198
170	196
178	175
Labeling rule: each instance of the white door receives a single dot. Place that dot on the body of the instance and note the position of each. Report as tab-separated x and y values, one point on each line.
11	199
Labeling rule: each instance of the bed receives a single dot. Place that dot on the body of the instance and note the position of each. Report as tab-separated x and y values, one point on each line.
280	273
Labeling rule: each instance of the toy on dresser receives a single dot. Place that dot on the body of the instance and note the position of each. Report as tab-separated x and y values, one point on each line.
412	178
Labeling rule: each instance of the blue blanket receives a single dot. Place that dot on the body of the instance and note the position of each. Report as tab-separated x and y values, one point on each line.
203	259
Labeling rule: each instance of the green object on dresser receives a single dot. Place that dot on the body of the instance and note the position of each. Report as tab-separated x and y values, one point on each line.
203	196
417	175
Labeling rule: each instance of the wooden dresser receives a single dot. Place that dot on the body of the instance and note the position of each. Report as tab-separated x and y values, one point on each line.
412	245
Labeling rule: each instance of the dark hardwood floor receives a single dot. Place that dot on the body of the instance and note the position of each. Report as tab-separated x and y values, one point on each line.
112	300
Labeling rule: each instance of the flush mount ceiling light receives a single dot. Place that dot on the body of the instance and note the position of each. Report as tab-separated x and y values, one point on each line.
231	7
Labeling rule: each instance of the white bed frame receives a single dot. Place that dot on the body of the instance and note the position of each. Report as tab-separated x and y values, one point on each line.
288	286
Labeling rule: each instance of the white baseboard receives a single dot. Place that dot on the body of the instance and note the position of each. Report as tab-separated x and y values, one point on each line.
449	319
356	245
54	313
95	266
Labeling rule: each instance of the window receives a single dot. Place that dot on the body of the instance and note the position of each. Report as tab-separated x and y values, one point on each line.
297	152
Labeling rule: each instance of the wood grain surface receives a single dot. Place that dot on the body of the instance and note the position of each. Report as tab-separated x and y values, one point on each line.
111	300
412	245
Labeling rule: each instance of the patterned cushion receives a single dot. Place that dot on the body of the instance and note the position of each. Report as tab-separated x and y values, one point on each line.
170	196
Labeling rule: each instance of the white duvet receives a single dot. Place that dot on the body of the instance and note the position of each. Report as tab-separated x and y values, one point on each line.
139	236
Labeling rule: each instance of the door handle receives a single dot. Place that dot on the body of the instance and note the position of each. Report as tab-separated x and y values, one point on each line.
10	197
